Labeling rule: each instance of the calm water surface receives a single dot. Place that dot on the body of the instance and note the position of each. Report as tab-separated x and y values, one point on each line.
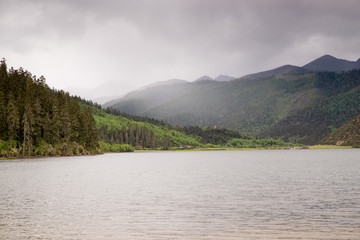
303	194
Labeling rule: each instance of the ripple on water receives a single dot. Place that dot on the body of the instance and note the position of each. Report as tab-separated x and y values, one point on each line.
183	195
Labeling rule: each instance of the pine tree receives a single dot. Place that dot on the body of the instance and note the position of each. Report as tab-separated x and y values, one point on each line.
126	136
64	116
3	110
92	139
13	119
137	135
152	140
75	120
38	121
3	98
52	135
118	136
167	142
131	136
28	119
145	137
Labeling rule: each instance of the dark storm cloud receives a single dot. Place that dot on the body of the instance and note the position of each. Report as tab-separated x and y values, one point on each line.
179	38
256	30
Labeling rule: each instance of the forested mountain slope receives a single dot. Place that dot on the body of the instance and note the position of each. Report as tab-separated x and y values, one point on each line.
141	101
145	133
346	135
339	102
286	69
258	106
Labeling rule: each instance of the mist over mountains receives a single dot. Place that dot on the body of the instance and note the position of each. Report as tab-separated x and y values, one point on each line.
113	90
220	78
307	101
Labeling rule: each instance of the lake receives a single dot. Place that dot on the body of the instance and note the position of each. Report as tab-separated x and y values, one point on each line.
282	194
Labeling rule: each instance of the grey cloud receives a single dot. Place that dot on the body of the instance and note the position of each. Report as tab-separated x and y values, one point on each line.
202	22
188	37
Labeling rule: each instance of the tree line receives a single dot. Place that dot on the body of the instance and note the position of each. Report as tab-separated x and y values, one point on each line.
217	136
136	136
37	120
153	121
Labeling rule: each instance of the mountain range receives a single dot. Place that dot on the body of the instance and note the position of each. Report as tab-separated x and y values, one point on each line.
325	63
298	104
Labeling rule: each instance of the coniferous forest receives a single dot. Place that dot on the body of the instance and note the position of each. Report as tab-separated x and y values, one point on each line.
36	120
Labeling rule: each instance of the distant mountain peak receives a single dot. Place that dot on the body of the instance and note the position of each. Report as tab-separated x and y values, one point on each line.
327	56
204	78
224	78
329	63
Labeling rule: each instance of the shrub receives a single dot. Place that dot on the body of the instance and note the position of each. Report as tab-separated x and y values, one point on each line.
121	148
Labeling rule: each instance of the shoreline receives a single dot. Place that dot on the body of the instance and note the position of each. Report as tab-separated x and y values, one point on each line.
45	156
313	147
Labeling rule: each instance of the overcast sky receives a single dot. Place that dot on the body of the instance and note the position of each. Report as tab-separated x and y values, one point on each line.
86	43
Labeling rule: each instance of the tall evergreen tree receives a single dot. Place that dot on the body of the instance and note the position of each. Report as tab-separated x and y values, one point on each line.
39	119
3	98
152	140
91	131
131	136
28	121
13	119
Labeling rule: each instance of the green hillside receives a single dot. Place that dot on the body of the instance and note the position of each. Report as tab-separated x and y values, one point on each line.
269	107
339	104
120	130
146	133
346	135
246	105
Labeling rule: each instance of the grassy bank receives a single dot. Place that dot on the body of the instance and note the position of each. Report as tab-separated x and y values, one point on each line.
329	147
